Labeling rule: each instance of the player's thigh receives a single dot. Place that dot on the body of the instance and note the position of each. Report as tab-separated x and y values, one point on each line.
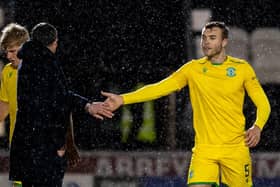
236	168
203	171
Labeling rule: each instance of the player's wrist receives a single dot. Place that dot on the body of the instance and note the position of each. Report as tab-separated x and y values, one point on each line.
121	100
257	126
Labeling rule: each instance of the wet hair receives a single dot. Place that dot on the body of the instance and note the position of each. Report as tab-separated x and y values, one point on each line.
13	35
44	33
219	24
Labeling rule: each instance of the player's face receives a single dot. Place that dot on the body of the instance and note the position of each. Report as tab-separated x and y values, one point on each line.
212	42
11	54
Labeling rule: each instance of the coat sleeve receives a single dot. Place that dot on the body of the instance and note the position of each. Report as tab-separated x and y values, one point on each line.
64	102
77	102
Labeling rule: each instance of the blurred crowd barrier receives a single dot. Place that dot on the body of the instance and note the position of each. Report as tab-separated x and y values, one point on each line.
146	169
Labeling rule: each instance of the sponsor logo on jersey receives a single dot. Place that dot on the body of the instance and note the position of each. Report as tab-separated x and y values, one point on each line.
10	74
204	69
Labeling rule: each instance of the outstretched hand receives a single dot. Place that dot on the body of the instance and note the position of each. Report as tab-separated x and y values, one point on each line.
99	110
113	101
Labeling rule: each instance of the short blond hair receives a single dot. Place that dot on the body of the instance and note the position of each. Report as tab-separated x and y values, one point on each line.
13	35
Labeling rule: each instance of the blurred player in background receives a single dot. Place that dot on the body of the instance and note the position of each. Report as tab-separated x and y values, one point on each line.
13	36
217	85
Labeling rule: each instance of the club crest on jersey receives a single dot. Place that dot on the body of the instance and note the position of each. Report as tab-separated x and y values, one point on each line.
231	72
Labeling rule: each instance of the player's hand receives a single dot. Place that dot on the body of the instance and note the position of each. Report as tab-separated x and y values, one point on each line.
2	129
113	101
99	110
253	136
72	155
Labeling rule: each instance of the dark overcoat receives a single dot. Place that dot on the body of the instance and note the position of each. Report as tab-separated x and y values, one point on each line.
44	105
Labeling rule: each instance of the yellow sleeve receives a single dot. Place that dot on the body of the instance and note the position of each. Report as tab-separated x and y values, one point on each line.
174	82
259	98
3	87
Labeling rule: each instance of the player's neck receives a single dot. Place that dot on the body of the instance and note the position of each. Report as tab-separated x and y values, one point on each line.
218	59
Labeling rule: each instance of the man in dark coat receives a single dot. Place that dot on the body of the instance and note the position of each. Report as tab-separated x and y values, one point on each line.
44	105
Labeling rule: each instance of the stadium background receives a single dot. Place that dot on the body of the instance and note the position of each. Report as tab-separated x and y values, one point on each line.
114	45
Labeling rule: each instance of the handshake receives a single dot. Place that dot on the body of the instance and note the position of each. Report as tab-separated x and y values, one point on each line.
105	109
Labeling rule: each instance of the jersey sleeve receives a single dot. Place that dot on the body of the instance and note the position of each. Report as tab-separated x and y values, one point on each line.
174	82
258	96
3	88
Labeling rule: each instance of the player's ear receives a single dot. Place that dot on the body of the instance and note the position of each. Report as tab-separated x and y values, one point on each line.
224	42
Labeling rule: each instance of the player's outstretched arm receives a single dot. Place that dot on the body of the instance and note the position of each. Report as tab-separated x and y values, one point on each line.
113	101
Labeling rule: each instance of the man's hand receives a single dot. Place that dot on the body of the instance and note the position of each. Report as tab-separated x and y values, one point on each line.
2	129
99	110
253	136
72	155
113	101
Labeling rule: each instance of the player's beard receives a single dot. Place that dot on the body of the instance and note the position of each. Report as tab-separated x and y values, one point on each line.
214	52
